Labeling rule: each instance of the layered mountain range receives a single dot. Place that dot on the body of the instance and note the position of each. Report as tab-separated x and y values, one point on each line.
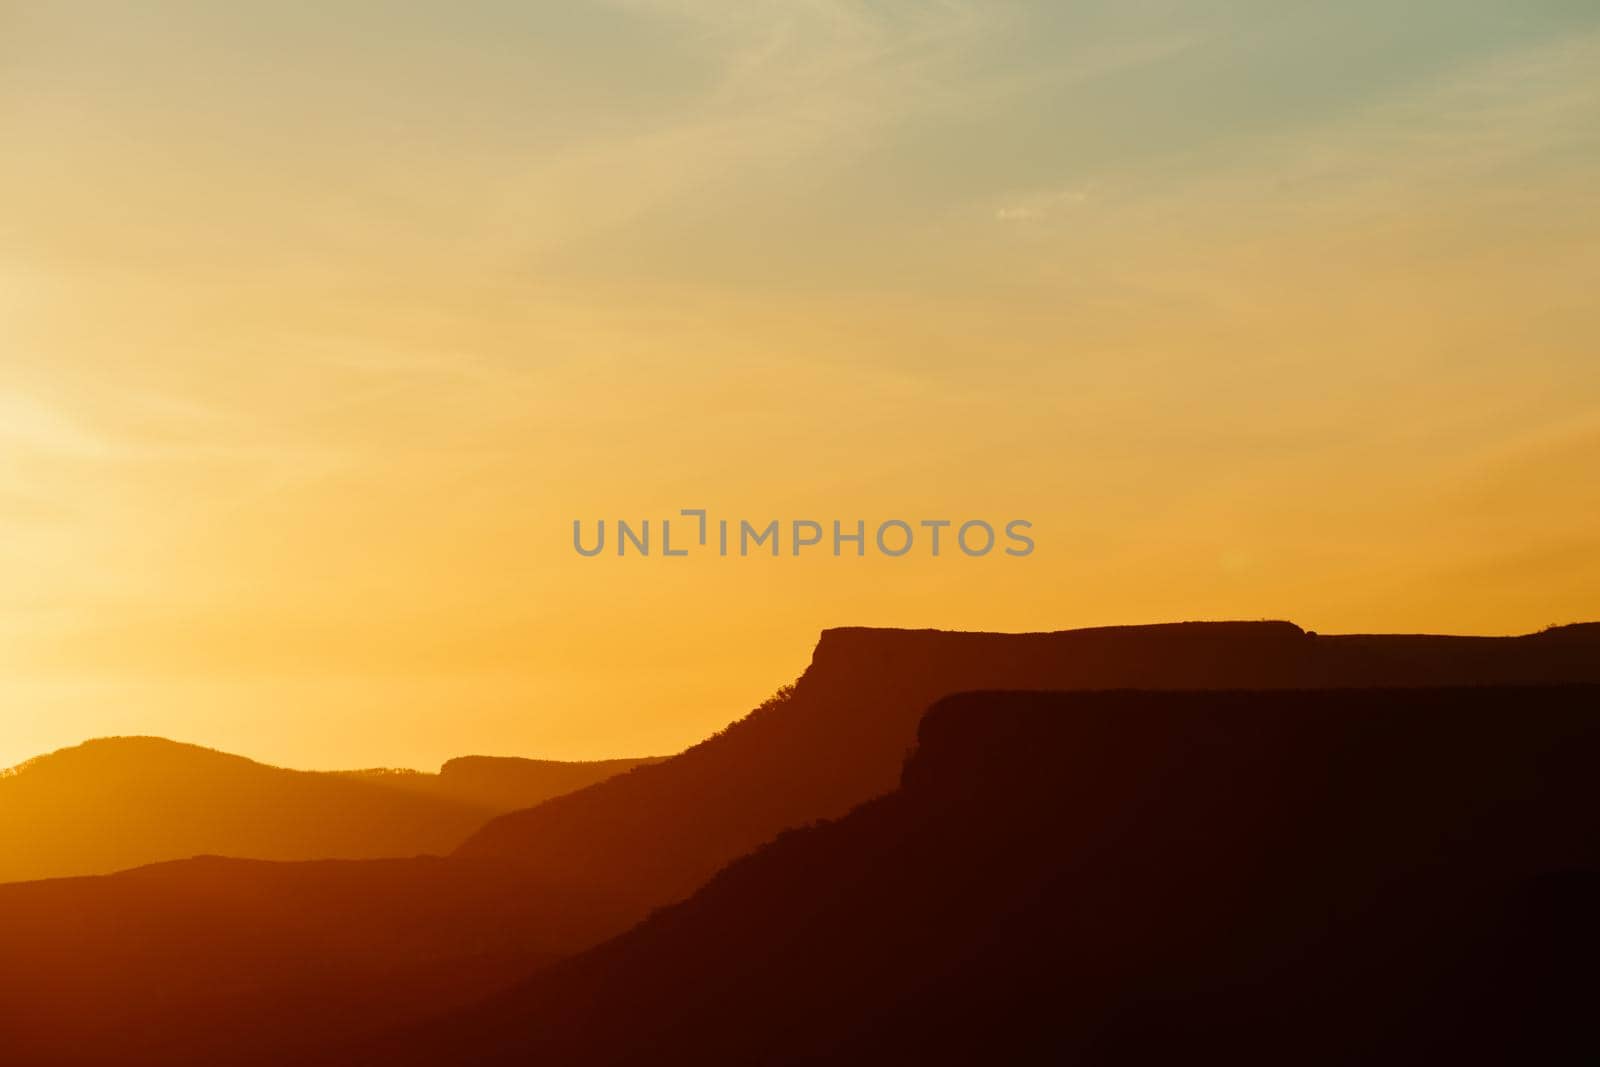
232	960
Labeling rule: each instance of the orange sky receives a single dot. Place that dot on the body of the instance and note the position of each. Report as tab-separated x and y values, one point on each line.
317	330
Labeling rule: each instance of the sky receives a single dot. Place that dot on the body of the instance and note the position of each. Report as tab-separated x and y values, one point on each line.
321	323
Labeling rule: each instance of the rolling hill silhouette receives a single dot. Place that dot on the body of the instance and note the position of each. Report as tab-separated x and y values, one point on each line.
190	960
122	802
1403	876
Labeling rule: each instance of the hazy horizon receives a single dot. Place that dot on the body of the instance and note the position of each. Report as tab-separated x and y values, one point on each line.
434	767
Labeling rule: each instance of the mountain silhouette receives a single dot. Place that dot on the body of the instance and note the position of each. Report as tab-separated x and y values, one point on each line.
1399	876
196	960
123	802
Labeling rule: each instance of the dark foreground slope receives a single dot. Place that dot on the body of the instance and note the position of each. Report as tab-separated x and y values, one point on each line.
123	802
1306	877
219	961
170	963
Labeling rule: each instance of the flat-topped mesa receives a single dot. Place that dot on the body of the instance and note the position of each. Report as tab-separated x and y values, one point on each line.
834	637
1169	655
841	735
507	783
1206	655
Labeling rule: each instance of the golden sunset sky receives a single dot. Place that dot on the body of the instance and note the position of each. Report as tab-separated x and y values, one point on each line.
321	322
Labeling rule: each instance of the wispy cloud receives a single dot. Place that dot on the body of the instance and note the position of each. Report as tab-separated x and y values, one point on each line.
1041	205
795	82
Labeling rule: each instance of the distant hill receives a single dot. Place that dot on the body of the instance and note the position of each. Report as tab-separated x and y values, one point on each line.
500	783
121	802
194	960
1386	876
